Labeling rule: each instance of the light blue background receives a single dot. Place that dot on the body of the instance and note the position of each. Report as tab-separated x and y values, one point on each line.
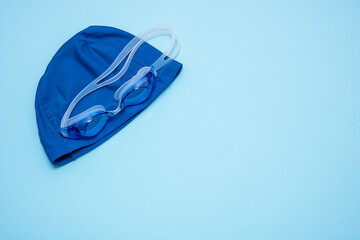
258	137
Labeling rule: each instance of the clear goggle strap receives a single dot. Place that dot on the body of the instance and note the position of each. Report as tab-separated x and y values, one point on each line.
131	47
156	33
170	53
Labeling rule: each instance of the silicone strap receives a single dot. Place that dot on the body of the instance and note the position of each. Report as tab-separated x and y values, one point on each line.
130	49
165	58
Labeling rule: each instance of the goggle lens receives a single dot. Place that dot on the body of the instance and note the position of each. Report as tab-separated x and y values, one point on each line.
140	93
87	128
73	132
95	124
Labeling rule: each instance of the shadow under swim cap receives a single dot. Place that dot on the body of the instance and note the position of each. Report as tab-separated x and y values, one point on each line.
77	63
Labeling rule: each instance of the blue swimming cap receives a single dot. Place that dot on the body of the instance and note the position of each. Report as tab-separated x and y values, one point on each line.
78	62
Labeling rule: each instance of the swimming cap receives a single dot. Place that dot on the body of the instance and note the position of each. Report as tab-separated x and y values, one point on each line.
78	62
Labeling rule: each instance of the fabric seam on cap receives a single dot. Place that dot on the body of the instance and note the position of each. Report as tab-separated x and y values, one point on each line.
48	122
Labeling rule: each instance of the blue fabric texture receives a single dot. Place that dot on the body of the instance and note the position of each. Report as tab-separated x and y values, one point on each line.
78	62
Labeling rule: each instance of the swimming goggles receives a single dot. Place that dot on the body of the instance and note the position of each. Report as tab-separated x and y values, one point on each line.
134	91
